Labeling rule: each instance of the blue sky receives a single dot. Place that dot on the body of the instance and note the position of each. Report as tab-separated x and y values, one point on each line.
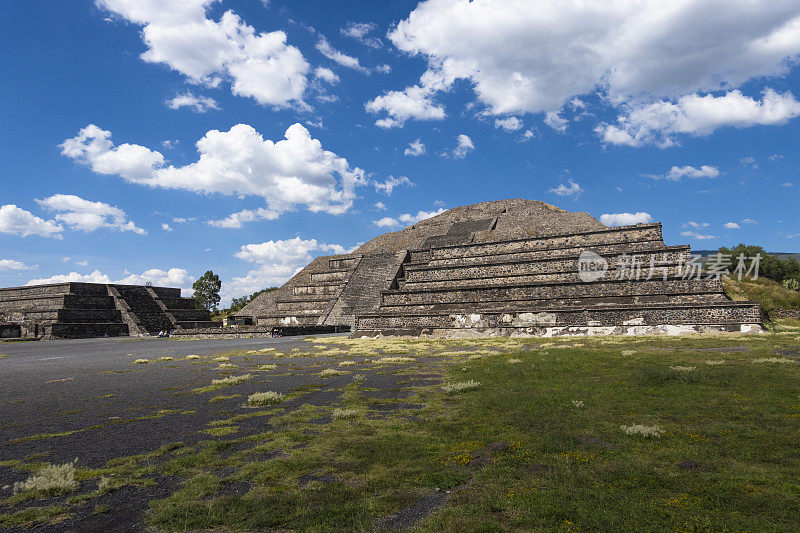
153	140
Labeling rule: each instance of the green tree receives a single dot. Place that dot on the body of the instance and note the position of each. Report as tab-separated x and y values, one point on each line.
238	303
206	291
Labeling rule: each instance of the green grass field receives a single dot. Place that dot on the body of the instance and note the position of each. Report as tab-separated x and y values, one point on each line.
537	440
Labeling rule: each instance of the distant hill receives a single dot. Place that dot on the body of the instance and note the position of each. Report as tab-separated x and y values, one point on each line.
783	255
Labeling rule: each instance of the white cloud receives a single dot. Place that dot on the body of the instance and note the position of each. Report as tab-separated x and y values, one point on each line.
660	122
731	225
413	102
327	75
775	157
198	104
84	263
83	215
383	68
380	206
236	220
625	219
183	220
533	56
463	147
166	227
278	261
748	221
174	277
749	162
94	277
697	236
360	31
391	182
339	57
286	173
529	135
556	121
178	34
508	123
573	189
17	221
693	224
787	184
10	264
676	173
386	222
406	219
415	148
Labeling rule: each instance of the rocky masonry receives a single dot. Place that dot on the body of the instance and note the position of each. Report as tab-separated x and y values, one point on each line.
508	267
77	310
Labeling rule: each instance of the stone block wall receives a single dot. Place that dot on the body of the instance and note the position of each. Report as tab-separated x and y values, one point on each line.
72	310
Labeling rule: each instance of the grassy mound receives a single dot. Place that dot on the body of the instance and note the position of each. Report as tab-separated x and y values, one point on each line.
771	296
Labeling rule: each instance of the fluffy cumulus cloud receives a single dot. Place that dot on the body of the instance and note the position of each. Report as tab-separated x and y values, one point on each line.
17	221
414	102
174	277
10	264
406	219
326	75
238	219
277	262
556	121
464	146
625	219
198	104
294	171
387	187
415	148
83	215
659	123
179	34
535	56
571	188
94	277
688	171
731	225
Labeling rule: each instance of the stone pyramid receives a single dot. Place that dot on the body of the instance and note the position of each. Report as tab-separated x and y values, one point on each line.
509	267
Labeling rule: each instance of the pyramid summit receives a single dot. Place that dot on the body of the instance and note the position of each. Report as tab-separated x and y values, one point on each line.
509	267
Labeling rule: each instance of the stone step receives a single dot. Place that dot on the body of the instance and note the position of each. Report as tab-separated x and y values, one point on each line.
299	306
641	233
649	247
337	276
542	291
85	330
712	313
531	305
643	262
321	289
554	277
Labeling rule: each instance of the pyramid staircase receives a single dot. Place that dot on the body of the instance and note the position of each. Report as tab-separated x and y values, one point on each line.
309	297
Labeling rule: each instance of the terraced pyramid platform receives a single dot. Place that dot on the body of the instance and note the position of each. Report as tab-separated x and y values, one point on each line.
509	267
79	310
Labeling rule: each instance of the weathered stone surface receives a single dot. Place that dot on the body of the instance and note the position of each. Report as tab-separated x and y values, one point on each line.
74	310
507	267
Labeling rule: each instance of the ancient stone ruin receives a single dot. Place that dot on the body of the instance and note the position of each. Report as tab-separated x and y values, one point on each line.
515	267
77	310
